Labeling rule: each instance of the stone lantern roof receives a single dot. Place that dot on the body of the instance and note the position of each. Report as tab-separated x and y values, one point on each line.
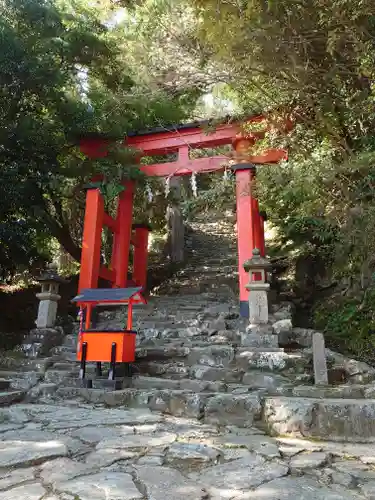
50	275
256	262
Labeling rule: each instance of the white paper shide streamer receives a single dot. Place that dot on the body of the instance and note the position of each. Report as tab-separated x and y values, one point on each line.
150	196
167	186
193	181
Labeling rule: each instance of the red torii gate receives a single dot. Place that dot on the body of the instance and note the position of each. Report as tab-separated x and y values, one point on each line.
250	224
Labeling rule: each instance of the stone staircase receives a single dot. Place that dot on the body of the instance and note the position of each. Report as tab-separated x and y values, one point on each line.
191	363
195	359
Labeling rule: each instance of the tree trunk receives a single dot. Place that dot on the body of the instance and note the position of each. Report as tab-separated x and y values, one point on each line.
63	236
175	222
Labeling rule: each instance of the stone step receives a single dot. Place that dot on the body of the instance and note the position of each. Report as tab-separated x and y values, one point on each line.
9	397
162	352
4	384
278	361
213	408
334	419
141	382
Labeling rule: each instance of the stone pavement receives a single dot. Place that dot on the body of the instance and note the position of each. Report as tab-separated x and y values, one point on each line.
87	452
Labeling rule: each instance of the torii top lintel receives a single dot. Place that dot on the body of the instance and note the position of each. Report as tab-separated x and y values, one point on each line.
180	139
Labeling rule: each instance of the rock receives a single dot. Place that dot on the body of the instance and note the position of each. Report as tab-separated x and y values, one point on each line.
300	444
215	310
213	355
108	456
230	479
185	404
302	336
65	417
42	390
191	455
92	435
218	324
282	327
259	380
13	453
239	410
262	445
341	391
35	435
260	330
256	340
151	460
309	460
351	366
154	383
162	352
163	483
138	441
272	361
102	486
290	451
368	490
284	313
369	392
204	372
26	381
359	471
346	419
9	397
9	427
13	477
26	492
341	478
63	469
302	488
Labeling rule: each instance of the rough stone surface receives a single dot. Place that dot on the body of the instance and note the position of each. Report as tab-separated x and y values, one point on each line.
342	419
319	359
309	460
17	453
228	480
26	492
282	327
302	488
191	455
102	486
239	410
164	483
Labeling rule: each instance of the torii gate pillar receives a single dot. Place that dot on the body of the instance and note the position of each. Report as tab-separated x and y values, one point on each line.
250	232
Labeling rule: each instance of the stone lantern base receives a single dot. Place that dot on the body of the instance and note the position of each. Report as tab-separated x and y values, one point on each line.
40	341
258	336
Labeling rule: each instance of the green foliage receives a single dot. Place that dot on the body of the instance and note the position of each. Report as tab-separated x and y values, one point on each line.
349	324
66	71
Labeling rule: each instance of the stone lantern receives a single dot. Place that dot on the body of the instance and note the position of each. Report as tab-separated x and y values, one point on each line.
258	268
49	297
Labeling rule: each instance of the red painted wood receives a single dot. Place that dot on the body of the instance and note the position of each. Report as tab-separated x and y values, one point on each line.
107	274
195	137
109	222
210	164
91	244
187	167
245	233
140	256
124	224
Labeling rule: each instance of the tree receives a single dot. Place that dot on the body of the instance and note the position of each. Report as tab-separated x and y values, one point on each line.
62	75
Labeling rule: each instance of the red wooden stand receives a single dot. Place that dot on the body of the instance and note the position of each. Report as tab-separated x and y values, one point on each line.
106	346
